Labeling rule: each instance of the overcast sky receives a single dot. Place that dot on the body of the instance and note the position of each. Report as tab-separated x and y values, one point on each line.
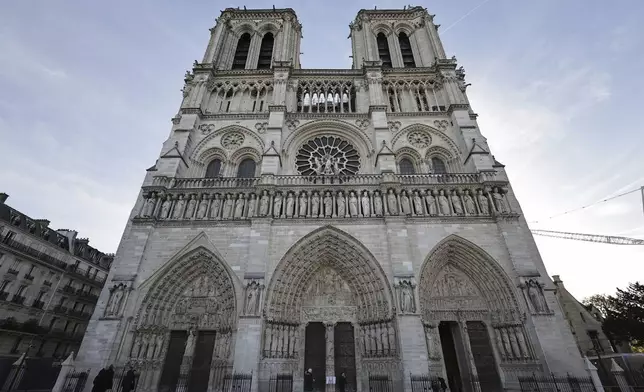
87	91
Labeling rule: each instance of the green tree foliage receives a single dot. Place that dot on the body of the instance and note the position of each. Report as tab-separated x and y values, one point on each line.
623	314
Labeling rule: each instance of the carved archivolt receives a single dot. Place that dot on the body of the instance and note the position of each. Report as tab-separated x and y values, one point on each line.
459	277
438	138
323	249
195	292
210	141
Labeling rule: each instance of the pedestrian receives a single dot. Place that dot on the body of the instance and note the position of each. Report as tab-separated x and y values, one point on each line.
342	382
103	380
127	384
308	380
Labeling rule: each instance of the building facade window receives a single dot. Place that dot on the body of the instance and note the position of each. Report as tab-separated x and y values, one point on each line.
241	53
266	52
406	166
383	50
405	51
439	166
214	168
246	169
594	338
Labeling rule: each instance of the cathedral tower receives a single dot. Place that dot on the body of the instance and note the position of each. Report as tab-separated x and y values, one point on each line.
345	221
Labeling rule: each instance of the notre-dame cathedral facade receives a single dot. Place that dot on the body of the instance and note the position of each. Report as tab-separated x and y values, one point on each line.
348	221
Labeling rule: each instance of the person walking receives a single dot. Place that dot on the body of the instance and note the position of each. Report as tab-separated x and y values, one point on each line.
342	382
127	384
308	380
103	380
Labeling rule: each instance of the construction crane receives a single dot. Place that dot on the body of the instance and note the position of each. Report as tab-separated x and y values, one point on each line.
605	239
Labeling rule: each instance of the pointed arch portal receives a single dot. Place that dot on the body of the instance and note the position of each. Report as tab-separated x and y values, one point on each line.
471	316
329	308
184	329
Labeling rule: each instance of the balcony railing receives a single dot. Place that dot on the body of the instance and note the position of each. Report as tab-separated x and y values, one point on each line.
18	299
60	309
29	277
3	296
38	304
12	271
46	283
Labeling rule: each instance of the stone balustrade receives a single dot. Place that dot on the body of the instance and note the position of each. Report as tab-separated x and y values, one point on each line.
360	196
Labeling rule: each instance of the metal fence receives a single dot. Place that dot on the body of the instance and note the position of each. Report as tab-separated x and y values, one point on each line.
427	383
281	383
553	383
30	374
75	382
238	382
380	383
117	383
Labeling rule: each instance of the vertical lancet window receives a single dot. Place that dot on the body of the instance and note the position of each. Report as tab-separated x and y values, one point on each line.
266	52
246	169
241	53
405	51
439	166
383	50
406	166
214	168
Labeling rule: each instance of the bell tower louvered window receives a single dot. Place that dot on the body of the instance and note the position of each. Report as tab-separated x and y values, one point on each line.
241	54
405	51
383	50
266	51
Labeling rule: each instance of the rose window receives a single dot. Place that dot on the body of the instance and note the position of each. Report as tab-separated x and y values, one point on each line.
327	156
232	140
419	139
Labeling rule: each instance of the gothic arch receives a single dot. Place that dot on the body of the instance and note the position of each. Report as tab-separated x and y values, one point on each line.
241	29
382	28
356	136
412	155
328	247
268	27
200	273
492	285
402	27
436	135
207	142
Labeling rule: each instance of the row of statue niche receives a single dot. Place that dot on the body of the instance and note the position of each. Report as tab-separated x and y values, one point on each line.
326	204
378	339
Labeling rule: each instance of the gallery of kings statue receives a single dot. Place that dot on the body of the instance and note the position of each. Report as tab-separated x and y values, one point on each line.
349	221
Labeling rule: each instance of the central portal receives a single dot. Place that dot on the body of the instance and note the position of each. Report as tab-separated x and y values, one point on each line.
315	356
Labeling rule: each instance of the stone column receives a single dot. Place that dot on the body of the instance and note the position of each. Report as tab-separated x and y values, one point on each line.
618	373
469	357
330	354
186	363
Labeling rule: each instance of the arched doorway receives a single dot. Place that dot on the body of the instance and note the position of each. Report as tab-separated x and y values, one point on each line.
329	308
474	330
184	330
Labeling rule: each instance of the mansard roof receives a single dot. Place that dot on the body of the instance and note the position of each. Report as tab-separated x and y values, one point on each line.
62	238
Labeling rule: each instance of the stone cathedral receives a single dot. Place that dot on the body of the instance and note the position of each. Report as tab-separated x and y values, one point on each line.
347	221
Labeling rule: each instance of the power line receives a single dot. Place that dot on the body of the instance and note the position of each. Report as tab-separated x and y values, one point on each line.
588	205
468	13
605	239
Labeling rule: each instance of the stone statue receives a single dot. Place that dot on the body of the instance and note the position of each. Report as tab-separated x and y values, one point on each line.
303	204
483	203
536	296
203	207
215	207
430	200
178	208
148	207
315	204
253	296
456	203
500	201
114	303
328	165
328	204
252	202
317	167
239	206
192	204
228	207
290	205
336	167
406	298
470	207
418	204
190	344
277	205
353	204
263	204
341	204
366	206
404	203
443	203
392	203
377	204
